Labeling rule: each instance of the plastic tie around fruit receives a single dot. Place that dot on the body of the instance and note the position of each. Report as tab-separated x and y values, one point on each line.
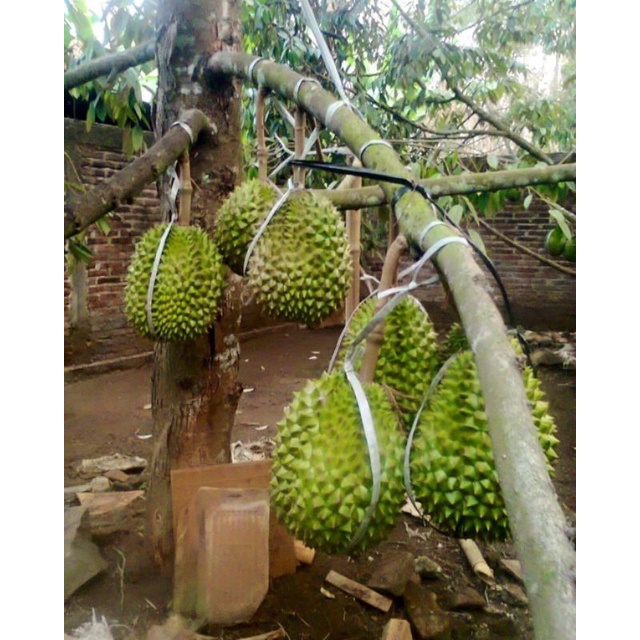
407	452
265	223
173	194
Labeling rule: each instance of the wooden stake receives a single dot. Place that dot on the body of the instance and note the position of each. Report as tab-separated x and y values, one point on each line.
477	561
260	135
300	122
387	280
184	206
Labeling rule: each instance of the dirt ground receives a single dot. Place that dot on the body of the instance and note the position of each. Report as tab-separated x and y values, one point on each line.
107	414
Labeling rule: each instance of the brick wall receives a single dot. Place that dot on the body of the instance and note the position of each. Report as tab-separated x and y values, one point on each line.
97	330
105	333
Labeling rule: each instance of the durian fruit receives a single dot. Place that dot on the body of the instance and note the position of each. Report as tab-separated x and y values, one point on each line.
300	269
408	358
453	471
321	476
454	341
189	284
239	218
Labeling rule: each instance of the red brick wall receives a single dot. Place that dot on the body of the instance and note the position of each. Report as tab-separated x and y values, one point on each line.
97	156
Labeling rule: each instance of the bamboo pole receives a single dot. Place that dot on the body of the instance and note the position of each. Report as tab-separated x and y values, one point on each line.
260	135
299	131
184	207
387	280
540	531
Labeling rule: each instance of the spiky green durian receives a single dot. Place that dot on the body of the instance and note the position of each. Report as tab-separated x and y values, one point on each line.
188	288
239	218
408	358
453	471
300	269
321	480
454	341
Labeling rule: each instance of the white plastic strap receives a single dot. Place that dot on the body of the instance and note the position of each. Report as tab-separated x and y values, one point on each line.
366	145
186	127
307	12
372	445
154	274
251	67
428	228
331	110
283	111
296	89
265	223
407	452
307	149
431	252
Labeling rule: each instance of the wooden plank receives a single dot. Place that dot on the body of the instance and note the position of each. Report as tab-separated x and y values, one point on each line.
397	629
357	590
233	553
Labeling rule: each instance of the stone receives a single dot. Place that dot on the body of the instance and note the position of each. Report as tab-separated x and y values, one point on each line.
397	629
82	559
466	599
97	466
429	621
117	475
100	484
393	571
427	568
513	568
113	511
514	594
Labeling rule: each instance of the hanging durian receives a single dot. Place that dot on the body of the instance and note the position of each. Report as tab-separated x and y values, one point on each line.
453	472
408	358
239	218
189	284
322	481
300	269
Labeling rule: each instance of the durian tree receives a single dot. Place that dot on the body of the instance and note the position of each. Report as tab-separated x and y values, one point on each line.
195	387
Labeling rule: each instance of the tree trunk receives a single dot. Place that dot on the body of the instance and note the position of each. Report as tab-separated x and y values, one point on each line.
195	388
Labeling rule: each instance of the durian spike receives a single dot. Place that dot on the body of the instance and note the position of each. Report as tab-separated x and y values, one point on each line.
387	280
299	135
184	204
260	137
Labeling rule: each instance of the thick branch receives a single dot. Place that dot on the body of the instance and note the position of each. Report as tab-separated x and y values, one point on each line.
83	210
536	519
116	63
463	184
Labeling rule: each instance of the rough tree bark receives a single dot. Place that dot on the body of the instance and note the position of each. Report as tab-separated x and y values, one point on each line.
195	388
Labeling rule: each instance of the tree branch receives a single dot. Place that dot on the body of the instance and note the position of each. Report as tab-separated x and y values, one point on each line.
115	62
84	209
463	184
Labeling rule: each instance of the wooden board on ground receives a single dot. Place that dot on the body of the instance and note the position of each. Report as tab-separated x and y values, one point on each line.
184	487
359	591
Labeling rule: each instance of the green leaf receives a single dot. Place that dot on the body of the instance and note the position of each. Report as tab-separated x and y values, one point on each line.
456	212
493	161
475	237
558	216
527	201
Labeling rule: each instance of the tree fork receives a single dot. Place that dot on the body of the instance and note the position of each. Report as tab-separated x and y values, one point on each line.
536	519
89	206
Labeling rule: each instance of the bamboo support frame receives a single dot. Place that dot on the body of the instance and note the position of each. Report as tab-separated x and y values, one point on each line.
541	536
184	206
260	135
299	174
387	280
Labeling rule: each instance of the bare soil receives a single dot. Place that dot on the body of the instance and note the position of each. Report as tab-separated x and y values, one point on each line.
106	414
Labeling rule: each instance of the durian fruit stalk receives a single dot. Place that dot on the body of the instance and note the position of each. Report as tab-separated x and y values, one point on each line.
189	284
453	471
322	480
300	269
